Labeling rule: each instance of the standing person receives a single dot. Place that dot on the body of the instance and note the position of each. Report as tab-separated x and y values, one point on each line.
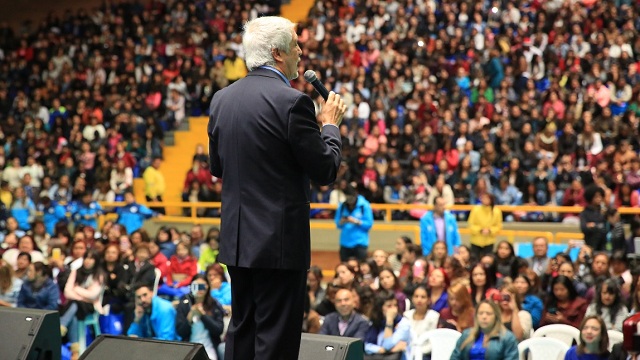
265	144
485	222
439	225
592	221
354	218
154	185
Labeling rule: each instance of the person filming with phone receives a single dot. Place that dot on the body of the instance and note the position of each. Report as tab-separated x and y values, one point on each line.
200	317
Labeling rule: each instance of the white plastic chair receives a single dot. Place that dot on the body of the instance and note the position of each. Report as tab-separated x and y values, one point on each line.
565	333
542	348
156	281
444	341
615	337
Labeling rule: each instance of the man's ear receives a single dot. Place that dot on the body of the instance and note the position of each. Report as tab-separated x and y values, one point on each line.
276	54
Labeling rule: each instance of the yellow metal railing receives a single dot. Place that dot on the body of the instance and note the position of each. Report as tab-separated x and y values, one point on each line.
387	224
387	208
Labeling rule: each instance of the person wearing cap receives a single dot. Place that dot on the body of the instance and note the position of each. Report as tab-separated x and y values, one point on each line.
87	211
354	218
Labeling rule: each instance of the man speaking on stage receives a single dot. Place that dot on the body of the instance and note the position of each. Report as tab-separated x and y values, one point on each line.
266	144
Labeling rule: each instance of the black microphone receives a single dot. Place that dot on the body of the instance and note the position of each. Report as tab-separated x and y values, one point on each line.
312	79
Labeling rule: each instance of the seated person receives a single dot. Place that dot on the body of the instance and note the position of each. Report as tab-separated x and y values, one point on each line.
154	317
390	331
182	269
594	341
199	317
39	291
345	321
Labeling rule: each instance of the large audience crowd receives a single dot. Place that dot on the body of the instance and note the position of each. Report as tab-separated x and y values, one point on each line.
528	101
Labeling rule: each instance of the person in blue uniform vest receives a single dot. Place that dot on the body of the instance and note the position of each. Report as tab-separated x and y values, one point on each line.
87	212
52	214
132	215
354	218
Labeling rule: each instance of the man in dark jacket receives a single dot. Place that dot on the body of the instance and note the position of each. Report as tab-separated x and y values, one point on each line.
345	321
266	144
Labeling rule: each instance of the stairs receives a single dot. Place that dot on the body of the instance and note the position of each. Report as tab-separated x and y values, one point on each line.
178	154
296	10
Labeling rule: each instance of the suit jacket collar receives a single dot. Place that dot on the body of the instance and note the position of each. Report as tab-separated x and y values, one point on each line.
265	73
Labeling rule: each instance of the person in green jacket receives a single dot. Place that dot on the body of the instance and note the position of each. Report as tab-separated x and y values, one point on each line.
208	253
488	339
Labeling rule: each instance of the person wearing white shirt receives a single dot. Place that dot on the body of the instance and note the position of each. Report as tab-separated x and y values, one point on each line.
36	171
13	175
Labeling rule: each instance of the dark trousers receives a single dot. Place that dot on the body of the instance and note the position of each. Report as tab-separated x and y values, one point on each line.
480	251
358	252
267	311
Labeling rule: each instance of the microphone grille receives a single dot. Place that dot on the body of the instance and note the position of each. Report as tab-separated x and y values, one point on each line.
310	76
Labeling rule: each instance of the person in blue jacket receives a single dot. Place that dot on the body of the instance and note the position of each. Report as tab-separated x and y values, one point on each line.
39	291
355	218
154	317
87	212
439	225
132	215
531	303
23	209
52	214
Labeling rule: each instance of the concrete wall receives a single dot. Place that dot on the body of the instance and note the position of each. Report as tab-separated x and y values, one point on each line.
327	239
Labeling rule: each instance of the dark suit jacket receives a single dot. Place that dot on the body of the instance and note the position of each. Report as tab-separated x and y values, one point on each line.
357	327
145	275
265	144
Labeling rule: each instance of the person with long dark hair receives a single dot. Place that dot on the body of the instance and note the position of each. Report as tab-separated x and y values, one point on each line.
422	318
82	290
115	280
483	281
609	305
506	260
199	317
563	305
594	341
530	302
389	333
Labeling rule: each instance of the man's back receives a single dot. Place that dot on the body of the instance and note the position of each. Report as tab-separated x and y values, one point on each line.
264	144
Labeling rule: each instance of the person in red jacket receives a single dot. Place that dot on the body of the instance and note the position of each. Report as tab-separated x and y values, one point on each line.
159	260
182	269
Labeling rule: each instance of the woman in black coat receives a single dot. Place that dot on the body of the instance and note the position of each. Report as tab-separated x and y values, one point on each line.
199	317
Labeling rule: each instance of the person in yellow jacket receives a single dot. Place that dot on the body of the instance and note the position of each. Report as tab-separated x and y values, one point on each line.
485	221
234	67
154	185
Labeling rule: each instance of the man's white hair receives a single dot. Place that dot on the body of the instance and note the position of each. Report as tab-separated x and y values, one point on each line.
264	34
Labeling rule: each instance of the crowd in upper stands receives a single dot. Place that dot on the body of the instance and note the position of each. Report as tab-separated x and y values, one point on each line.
528	101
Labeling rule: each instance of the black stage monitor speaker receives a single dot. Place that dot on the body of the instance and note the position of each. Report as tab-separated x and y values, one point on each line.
325	347
107	347
29	334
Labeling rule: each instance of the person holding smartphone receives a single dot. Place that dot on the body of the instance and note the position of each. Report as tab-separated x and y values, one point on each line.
199	317
515	319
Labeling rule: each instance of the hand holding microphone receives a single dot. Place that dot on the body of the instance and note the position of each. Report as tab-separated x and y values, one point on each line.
333	108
